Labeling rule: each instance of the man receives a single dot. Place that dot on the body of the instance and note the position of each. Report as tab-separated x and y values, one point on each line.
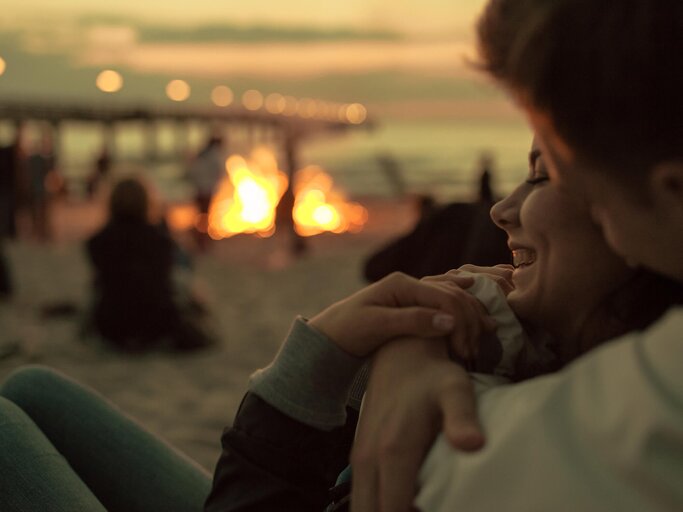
601	85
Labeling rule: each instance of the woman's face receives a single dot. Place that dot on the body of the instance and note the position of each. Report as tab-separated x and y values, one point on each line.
563	267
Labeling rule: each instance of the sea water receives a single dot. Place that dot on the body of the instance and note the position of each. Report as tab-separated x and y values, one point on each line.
439	158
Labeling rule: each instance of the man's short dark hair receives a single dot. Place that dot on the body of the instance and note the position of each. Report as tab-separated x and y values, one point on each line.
608	72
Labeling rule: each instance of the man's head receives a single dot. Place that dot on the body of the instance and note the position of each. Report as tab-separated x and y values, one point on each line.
602	85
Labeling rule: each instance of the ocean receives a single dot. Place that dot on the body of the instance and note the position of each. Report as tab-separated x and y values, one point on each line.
439	158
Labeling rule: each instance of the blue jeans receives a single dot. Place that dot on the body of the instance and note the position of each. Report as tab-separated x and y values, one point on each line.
65	448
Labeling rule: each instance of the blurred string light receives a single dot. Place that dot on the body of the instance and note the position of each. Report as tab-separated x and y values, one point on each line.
275	103
291	106
355	113
178	90
306	108
252	99
109	81
3	66
222	96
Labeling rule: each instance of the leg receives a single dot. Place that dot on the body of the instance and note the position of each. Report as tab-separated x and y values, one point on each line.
126	467
33	474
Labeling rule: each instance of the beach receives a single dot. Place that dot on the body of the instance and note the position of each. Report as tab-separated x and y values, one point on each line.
253	287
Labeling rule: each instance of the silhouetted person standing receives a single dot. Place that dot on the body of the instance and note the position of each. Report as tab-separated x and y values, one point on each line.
39	164
205	173
486	194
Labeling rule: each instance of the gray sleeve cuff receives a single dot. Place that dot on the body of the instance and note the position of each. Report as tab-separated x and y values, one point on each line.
309	379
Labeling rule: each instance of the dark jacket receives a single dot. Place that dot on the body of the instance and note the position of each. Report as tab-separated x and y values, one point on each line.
134	292
447	238
271	462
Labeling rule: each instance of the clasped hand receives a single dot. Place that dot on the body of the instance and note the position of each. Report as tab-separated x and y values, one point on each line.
415	390
400	305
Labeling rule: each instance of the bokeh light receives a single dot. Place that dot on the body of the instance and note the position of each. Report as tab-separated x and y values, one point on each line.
356	113
307	108
222	96
275	103
109	81
3	66
291	106
178	90
252	99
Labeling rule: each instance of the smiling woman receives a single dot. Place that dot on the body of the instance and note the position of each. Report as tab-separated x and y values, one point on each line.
560	255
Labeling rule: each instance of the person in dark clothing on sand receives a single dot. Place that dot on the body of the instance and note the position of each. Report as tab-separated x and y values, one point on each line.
136	303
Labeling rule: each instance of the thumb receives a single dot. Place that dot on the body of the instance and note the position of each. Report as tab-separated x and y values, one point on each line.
416	321
460	421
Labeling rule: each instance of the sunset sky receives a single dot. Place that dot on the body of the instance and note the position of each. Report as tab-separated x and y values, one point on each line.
402	58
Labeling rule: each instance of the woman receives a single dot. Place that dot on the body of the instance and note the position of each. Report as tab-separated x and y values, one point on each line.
273	461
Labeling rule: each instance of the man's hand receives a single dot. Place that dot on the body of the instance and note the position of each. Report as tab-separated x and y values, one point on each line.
400	305
414	392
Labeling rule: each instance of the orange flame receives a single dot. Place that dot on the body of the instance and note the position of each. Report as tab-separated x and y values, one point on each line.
246	198
248	195
319	207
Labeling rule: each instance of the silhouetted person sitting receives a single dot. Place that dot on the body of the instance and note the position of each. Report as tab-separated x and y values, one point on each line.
136	303
455	234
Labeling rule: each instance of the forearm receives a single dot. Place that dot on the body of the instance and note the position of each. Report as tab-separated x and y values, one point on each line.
292	434
309	380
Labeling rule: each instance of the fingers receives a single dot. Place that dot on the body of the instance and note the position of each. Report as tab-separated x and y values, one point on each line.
404	291
460	420
414	321
501	274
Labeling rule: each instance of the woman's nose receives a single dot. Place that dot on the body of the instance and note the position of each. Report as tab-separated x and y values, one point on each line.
505	213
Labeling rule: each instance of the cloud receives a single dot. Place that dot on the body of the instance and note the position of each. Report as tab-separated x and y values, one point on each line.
260	34
284	59
238	33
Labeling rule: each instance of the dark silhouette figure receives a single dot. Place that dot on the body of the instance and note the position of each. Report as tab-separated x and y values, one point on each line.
205	173
39	165
101	171
11	189
136	303
486	194
445	239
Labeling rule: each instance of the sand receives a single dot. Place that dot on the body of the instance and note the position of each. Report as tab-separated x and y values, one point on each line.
253	288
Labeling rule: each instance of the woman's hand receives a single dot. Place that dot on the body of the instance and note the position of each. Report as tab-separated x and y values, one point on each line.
400	305
501	274
467	347
414	392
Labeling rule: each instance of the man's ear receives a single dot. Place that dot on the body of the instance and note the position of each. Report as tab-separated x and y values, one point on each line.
666	186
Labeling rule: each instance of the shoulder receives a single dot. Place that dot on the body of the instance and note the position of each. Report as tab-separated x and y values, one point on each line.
604	433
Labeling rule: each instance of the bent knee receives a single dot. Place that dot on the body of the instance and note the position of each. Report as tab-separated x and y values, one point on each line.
26	381
10	413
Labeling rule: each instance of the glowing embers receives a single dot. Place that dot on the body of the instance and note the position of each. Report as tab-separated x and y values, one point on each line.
246	198
319	207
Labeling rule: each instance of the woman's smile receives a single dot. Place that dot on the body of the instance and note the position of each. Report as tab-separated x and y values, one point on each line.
523	257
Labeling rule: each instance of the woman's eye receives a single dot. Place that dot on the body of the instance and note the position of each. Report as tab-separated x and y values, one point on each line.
534	180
